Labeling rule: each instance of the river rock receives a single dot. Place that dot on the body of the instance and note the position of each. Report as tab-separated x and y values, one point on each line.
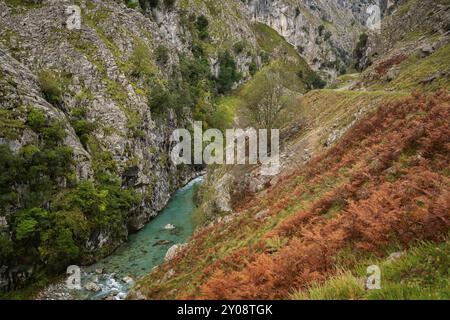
128	280
99	271
162	243
169	227
121	296
92	286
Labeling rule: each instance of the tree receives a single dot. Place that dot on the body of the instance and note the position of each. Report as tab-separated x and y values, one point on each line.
360	49
148	4
202	25
162	54
140	60
50	87
266	103
228	73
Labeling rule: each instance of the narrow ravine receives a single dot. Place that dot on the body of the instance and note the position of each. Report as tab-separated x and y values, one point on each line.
112	277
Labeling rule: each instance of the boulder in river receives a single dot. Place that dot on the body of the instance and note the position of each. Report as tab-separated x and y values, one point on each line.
128	280
92	286
169	227
162	243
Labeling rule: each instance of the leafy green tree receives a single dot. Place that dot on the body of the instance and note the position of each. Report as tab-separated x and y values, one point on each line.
29	224
202	25
141	60
360	48
10	168
162	54
228	73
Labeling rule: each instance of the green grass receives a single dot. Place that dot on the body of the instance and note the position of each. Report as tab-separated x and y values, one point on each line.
344	80
405	8
269	40
341	287
421	274
19	6
414	70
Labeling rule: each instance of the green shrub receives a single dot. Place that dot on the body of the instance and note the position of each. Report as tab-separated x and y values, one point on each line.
194	70
360	48
162	54
29	223
54	133
239	47
36	119
10	166
252	68
132	3
313	81
6	247
141	60
59	236
169	3
160	99
83	129
50	87
106	205
202	25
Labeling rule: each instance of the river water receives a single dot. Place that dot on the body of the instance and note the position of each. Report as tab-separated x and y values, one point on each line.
143	251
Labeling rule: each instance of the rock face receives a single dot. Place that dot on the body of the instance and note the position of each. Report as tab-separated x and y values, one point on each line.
324	32
95	79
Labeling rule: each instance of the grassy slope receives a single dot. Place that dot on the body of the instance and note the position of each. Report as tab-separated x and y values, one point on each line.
421	273
368	194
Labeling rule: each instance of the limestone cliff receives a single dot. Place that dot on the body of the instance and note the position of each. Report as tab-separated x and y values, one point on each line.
324	32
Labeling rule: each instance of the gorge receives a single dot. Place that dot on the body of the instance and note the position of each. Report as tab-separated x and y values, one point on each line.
87	115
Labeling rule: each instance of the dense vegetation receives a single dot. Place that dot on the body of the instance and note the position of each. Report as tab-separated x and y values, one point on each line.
55	214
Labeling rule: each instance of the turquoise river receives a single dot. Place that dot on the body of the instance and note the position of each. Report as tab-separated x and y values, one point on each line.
111	277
